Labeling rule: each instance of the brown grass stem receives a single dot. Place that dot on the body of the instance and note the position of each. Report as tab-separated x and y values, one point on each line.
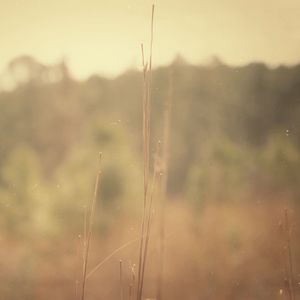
107	258
289	256
121	280
88	226
147	74
149	217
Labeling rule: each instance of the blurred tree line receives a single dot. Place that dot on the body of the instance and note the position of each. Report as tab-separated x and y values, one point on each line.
235	135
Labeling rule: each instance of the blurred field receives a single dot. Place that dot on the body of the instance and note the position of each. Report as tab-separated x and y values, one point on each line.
234	168
229	252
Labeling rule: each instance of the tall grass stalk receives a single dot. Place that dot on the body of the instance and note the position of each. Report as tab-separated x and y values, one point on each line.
149	215
289	259
146	165
132	284
88	226
146	218
121	280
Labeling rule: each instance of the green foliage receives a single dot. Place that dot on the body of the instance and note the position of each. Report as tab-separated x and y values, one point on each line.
279	163
226	171
120	181
229	139
222	173
24	200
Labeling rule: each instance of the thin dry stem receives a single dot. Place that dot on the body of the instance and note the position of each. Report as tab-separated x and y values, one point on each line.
107	258
89	217
146	219
149	215
289	257
121	280
132	284
146	165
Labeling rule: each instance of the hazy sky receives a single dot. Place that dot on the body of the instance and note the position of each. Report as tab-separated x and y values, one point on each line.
104	36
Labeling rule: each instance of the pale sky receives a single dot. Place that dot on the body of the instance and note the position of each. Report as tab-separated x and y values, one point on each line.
104	36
